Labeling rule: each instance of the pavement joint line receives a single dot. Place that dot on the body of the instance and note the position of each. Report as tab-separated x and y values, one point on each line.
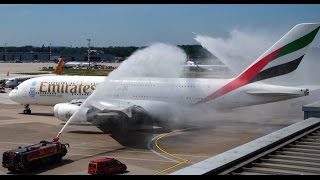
104	149
119	157
5	142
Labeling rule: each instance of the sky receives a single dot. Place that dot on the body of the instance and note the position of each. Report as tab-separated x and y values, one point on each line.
141	25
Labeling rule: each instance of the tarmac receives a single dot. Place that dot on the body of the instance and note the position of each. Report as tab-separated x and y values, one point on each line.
157	152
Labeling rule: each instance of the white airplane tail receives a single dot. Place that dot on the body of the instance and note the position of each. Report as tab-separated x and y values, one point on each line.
285	55
282	58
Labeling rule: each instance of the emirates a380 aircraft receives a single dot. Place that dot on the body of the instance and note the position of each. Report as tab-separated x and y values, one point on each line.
129	97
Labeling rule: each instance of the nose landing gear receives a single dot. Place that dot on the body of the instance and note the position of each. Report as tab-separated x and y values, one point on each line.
26	110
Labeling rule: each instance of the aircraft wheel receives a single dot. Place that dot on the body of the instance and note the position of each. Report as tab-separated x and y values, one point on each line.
27	111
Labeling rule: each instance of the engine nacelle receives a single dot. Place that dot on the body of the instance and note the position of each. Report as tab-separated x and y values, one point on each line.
64	111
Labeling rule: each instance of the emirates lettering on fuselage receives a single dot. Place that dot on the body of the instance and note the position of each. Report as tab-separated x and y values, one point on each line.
58	87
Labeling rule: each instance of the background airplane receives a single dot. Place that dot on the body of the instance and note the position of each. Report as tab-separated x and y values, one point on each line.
15	81
74	64
191	65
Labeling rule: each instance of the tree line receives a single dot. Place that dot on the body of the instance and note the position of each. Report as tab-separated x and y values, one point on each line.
193	51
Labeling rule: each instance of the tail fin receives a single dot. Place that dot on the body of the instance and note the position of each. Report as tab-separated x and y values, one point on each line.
59	67
282	58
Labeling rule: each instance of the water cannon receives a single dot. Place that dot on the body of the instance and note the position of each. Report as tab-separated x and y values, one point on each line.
55	139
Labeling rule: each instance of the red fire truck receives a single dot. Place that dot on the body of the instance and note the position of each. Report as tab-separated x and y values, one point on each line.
33	156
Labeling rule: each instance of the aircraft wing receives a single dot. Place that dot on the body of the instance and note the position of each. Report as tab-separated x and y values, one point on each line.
117	106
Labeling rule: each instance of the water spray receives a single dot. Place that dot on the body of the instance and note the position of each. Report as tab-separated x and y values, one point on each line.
157	60
240	48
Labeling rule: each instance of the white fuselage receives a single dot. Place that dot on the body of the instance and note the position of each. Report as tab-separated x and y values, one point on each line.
181	91
79	64
15	81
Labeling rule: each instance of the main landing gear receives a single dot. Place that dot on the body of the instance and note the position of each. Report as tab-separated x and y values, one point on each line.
27	110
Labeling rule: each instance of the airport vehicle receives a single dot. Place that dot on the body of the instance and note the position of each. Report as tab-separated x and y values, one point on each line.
15	81
34	156
106	166
129	97
2	89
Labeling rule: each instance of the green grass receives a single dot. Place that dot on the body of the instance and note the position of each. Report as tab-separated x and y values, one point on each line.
2	81
34	73
86	72
105	72
79	72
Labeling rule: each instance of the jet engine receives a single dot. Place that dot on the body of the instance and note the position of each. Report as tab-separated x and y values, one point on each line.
64	111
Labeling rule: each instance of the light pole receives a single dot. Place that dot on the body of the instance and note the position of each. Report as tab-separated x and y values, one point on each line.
50	53
5	51
89	51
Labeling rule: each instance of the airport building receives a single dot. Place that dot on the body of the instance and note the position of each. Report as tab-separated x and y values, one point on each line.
45	56
84	57
27	56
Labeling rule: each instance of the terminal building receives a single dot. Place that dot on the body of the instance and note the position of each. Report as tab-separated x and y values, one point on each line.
26	56
45	57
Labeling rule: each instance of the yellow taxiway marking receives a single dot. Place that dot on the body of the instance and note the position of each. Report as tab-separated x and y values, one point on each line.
182	160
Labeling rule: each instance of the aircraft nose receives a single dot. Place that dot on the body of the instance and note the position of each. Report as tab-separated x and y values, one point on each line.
13	95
